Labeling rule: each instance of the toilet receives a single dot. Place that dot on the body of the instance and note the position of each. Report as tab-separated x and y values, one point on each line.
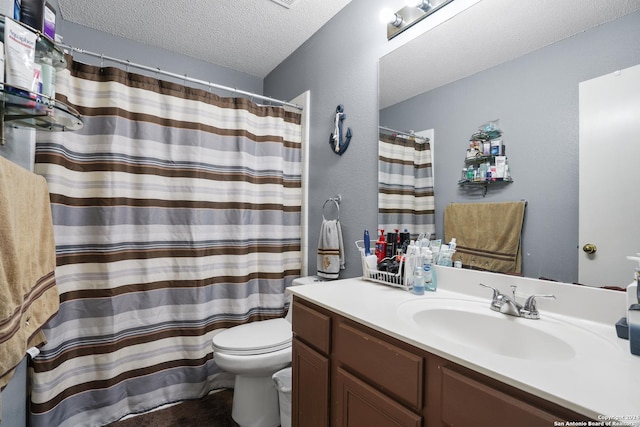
254	352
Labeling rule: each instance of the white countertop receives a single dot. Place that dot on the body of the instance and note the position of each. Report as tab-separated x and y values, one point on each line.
602	381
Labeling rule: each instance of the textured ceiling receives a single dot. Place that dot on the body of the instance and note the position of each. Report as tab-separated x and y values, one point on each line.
210	30
487	34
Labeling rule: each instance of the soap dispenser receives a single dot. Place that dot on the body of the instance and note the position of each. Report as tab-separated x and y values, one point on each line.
633	313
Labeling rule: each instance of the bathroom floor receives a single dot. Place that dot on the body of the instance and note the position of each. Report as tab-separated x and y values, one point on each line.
212	410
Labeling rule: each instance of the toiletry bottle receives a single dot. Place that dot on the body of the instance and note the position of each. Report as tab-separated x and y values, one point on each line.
470	173
452	244
445	258
418	281
405	239
633	313
391	245
633	320
381	247
429	285
367	243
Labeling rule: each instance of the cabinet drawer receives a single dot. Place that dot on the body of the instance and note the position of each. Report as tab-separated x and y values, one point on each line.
399	373
311	326
466	401
360	405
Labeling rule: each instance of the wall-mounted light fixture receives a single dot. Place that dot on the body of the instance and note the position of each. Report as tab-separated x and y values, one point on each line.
413	12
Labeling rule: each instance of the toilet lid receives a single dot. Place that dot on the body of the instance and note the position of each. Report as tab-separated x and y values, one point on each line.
259	337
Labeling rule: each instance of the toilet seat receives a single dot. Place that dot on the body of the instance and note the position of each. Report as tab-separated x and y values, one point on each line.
260	337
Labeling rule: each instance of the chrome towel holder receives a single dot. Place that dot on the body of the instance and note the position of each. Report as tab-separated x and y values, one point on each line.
336	200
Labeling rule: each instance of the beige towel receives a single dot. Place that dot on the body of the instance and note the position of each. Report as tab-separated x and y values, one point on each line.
330	249
28	291
488	235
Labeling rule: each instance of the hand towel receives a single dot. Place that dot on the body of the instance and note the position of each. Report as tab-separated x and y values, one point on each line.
330	249
28	292
488	235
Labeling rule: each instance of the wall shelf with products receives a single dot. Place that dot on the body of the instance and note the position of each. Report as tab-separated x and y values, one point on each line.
486	163
25	107
482	183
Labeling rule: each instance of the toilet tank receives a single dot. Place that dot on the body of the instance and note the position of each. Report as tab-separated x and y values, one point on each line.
306	280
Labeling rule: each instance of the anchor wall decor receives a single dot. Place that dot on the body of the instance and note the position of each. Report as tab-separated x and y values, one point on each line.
338	143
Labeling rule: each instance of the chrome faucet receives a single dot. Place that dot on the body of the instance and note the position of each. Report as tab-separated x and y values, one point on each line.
508	305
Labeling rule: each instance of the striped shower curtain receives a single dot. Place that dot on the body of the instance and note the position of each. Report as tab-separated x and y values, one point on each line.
405	184
176	212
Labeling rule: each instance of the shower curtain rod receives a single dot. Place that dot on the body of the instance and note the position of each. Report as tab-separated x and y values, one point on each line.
178	76
402	133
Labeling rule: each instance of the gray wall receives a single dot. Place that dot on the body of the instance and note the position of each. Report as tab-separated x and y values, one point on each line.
535	97
339	66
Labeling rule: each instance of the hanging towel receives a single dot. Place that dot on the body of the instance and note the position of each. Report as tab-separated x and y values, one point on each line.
488	235
330	249
28	291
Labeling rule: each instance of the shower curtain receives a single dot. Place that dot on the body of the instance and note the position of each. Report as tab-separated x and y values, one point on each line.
405	184
176	212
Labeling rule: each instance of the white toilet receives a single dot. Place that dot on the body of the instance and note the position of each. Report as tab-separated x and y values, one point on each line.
254	352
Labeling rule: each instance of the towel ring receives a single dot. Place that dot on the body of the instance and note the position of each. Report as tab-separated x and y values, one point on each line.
336	201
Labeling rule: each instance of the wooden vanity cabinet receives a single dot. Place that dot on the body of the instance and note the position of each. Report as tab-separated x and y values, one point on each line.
310	362
458	396
348	375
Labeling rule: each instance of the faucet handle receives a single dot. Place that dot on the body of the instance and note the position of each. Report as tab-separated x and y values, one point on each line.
496	299
530	307
495	291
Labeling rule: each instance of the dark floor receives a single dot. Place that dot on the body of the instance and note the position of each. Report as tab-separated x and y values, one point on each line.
212	410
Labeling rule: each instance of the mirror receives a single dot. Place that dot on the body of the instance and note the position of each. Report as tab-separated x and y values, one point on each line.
524	69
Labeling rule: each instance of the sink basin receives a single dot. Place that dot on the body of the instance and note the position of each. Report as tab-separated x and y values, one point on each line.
474	325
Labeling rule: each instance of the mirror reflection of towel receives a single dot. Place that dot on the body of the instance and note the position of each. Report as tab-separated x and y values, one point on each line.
330	249
488	235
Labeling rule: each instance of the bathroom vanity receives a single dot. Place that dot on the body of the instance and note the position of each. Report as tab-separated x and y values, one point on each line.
365	354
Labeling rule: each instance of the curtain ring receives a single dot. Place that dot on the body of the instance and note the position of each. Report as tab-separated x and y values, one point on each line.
102	60
158	73
128	63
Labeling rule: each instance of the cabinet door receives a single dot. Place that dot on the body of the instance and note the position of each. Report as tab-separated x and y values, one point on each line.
310	381
467	402
360	405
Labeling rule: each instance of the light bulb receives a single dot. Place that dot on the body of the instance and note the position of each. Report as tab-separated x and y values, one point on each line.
388	16
422	4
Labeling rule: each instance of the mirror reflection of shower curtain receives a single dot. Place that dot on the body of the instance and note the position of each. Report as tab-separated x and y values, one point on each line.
405	184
